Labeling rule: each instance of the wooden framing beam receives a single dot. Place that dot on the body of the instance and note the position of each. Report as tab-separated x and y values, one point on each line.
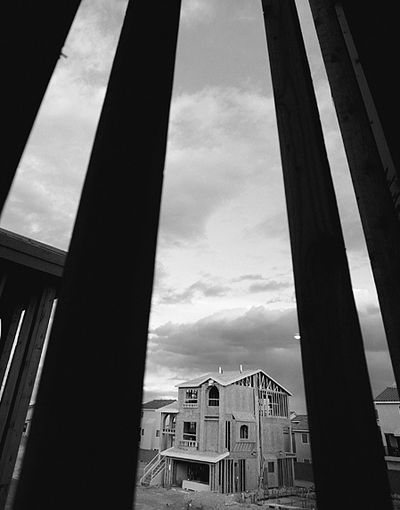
374	177
22	251
20	383
331	341
90	392
35	33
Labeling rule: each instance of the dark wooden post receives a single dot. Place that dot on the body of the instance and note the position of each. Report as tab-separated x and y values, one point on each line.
34	35
31	273
331	343
375	180
81	451
20	382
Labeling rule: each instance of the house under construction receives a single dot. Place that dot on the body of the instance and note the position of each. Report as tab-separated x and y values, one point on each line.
231	434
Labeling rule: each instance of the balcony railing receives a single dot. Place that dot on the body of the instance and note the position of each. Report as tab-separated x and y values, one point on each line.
188	444
190	404
168	430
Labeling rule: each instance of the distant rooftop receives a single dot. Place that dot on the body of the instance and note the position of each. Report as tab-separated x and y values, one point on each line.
226	378
300	422
156	404
390	394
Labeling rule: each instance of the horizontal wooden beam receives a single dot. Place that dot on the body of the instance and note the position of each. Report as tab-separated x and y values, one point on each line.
33	254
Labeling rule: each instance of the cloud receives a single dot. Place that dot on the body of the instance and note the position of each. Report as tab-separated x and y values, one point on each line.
203	288
194	12
258	338
248	277
269	286
222	141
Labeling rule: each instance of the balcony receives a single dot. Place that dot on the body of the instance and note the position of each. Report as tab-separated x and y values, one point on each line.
188	444
168	430
190	405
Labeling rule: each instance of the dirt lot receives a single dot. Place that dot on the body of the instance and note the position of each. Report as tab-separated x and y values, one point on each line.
158	498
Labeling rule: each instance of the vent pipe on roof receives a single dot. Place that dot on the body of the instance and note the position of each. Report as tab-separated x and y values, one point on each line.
220	371
241	369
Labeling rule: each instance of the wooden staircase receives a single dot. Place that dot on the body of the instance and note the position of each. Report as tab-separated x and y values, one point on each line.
153	471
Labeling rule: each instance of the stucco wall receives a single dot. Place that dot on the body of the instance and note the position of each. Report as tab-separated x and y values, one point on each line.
389	417
303	450
251	474
238	398
273	439
150	422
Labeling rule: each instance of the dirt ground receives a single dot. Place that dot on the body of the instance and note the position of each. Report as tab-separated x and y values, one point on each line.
158	498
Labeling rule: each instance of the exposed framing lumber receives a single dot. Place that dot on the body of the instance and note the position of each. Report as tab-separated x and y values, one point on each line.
105	301
331	339
375	180
26	252
20	383
34	34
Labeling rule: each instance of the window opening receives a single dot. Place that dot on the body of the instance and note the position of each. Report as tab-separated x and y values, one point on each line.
244	432
213	397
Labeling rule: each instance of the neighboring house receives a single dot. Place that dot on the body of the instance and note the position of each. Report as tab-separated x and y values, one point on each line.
387	405
232	433
149	432
301	438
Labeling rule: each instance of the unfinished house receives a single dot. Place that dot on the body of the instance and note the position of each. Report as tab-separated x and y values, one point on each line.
231	434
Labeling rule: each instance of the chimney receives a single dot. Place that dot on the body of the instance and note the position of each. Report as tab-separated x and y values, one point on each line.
220	371
241	369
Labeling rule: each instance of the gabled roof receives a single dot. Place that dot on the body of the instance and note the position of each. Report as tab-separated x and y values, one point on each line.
156	404
300	423
226	378
389	394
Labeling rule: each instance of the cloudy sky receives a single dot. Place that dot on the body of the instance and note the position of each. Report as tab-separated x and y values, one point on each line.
223	293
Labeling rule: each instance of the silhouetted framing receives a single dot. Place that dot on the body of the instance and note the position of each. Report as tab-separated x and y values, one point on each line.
331	343
96	354
30	276
375	177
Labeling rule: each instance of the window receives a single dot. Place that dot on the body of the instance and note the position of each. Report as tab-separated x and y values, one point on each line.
213	397
191	396
157	433
228	435
25	427
142	432
189	431
304	438
271	467
244	432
